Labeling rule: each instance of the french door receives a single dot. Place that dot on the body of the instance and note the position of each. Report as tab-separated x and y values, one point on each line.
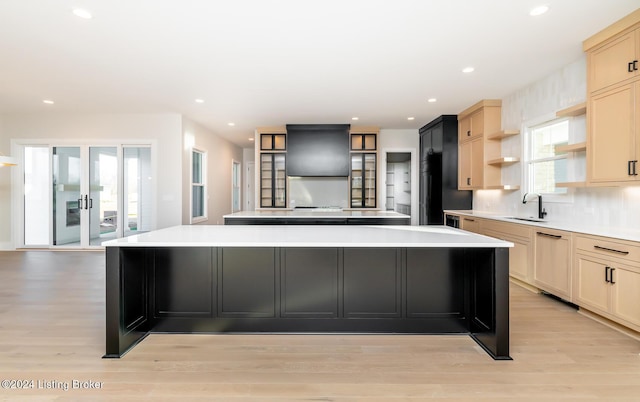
95	193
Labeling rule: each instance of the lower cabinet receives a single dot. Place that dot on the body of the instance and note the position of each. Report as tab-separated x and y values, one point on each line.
470	224
521	255
552	266
607	281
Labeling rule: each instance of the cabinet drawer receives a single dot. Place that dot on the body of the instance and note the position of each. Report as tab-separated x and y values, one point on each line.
627	252
512	229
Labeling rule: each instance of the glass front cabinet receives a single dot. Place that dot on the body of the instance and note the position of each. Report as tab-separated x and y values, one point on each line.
273	180
363	180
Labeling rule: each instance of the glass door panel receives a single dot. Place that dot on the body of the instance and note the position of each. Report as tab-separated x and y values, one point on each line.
67	200
370	180
136	208
103	194
356	181
37	174
280	180
266	180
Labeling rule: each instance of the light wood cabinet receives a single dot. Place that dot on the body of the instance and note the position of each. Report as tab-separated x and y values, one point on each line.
476	149
470	224
613	103
614	140
521	254
614	61
607	279
552	266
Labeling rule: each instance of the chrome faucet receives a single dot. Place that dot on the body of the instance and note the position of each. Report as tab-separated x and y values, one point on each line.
541	211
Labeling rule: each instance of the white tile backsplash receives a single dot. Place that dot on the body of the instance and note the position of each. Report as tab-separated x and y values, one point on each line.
606	206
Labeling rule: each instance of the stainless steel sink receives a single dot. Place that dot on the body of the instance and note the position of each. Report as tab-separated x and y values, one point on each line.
529	219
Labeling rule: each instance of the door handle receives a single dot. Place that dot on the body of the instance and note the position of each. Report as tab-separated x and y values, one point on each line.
630	67
86	202
80	202
90	202
606	274
635	65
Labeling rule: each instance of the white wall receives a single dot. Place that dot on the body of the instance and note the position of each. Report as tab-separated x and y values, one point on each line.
164	129
391	140
220	153
607	206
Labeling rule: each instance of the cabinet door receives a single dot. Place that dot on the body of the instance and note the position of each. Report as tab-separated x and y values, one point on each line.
625	295
470	224
464	129
369	185
464	166
266	180
477	163
613	62
552	270
591	286
279	181
612	135
519	259
477	123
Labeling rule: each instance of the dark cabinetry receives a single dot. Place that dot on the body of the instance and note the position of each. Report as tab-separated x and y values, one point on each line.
439	171
363	180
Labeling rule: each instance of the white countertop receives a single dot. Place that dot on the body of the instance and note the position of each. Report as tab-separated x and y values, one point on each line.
307	236
585	228
311	214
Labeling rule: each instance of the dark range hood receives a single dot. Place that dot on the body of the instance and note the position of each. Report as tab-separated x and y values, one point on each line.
318	150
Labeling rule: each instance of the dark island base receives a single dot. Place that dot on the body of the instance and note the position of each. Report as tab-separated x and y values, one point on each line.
307	290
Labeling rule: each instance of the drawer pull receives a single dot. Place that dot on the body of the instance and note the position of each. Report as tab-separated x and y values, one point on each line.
469	220
611	250
549	235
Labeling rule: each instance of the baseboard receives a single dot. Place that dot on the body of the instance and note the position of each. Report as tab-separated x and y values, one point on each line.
7	246
524	285
611	324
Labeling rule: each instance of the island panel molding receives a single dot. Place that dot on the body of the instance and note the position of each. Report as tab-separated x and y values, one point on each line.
352	279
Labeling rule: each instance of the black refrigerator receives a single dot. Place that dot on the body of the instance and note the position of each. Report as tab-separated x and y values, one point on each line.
439	171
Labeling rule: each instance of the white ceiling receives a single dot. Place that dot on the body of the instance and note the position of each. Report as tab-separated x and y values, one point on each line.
270	63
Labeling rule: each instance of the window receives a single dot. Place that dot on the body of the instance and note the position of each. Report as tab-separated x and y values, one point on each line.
546	166
235	186
198	186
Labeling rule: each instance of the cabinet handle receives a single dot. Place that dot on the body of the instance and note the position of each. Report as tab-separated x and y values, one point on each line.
611	250
606	274
629	163
635	65
469	220
611	276
635	172
630	67
549	235
469	131
468	181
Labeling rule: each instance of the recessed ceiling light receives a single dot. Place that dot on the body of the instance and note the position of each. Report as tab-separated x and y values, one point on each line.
467	70
539	10
82	13
411	118
431	100
231	124
354	118
251	139
199	100
48	101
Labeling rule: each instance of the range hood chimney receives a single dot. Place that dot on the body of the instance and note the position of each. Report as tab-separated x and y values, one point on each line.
318	150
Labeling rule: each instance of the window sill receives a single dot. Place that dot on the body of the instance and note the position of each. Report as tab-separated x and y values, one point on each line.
199	219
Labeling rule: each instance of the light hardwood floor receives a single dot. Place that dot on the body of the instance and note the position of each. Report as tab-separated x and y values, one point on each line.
52	329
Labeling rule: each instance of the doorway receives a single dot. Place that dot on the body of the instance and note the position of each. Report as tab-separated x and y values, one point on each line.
78	196
398	182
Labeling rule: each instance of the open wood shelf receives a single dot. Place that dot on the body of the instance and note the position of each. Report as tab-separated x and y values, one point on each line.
580	146
503	134
571	184
575	110
505	160
504	187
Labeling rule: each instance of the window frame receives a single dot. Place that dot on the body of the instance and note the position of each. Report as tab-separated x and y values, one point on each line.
203	184
527	165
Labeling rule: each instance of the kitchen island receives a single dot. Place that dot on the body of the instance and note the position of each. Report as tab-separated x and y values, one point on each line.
307	279
319	216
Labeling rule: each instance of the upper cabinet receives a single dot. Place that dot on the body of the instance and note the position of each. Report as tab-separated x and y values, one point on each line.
363	141
480	158
615	61
363	174
273	177
613	103
273	142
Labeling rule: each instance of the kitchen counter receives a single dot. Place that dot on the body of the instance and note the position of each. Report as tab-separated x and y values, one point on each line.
585	228
307	279
317	217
